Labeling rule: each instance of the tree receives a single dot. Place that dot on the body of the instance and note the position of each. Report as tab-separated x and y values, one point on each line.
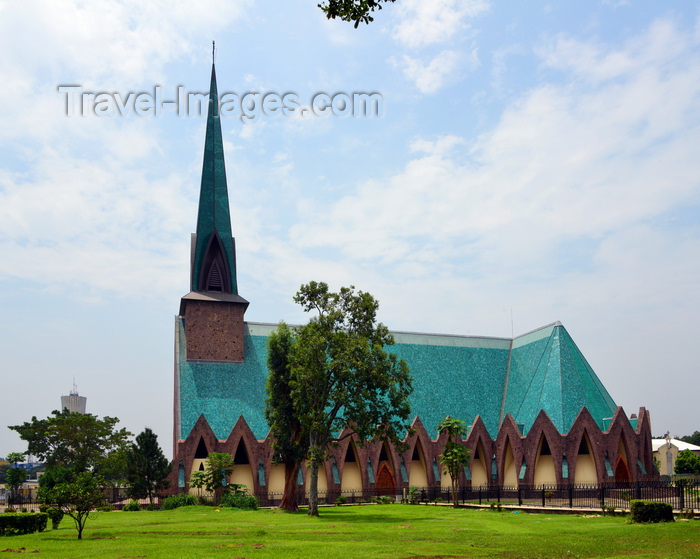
15	458
79	441
79	498
213	478
291	440
692	439
146	467
79	451
455	456
687	463
352	10
14	478
340	376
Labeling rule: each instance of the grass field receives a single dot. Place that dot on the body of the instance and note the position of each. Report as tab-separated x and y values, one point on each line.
359	531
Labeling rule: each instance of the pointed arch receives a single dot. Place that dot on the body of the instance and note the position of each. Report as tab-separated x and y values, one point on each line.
585	470
417	473
181	475
622	471
385	481
215	274
509	450
199	461
481	445
242	467
201	452
544	463
510	473
386	484
351	479
479	471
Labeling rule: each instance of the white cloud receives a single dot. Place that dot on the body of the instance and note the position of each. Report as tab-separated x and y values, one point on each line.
431	76
424	23
661	44
564	165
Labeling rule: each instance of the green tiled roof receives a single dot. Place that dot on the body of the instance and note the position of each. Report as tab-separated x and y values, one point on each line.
214	214
452	375
224	391
548	372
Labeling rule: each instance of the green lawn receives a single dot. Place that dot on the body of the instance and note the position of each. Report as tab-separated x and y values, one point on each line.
359	531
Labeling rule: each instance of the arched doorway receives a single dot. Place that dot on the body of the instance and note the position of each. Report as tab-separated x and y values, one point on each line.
622	472
386	485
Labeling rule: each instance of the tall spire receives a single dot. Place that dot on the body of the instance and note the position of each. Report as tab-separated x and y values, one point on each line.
214	259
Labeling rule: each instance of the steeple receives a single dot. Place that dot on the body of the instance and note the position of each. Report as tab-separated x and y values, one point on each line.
214	257
213	312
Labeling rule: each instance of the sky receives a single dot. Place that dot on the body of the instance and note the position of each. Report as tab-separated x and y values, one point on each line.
532	161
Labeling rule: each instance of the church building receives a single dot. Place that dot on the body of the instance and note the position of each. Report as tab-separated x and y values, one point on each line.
537	412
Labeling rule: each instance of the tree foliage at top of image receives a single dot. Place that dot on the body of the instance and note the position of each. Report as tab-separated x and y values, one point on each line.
146	467
338	376
455	455
357	11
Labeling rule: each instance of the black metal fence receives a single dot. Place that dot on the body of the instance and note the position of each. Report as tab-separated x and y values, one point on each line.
681	494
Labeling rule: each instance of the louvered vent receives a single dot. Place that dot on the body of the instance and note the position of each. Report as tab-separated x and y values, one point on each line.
214	281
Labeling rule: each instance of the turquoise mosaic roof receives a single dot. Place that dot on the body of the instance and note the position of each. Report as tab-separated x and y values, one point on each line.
214	214
452	375
457	380
224	391
548	372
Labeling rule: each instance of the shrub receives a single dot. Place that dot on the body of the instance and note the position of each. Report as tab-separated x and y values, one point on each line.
180	500
651	511
239	501
608	511
341	500
56	515
16	524
152	506
132	506
385	500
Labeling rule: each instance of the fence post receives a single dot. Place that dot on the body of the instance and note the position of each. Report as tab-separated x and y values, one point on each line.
681	496
602	495
571	496
543	497
480	494
520	498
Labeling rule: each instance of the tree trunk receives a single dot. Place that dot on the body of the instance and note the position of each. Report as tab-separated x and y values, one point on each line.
455	490
313	489
289	499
